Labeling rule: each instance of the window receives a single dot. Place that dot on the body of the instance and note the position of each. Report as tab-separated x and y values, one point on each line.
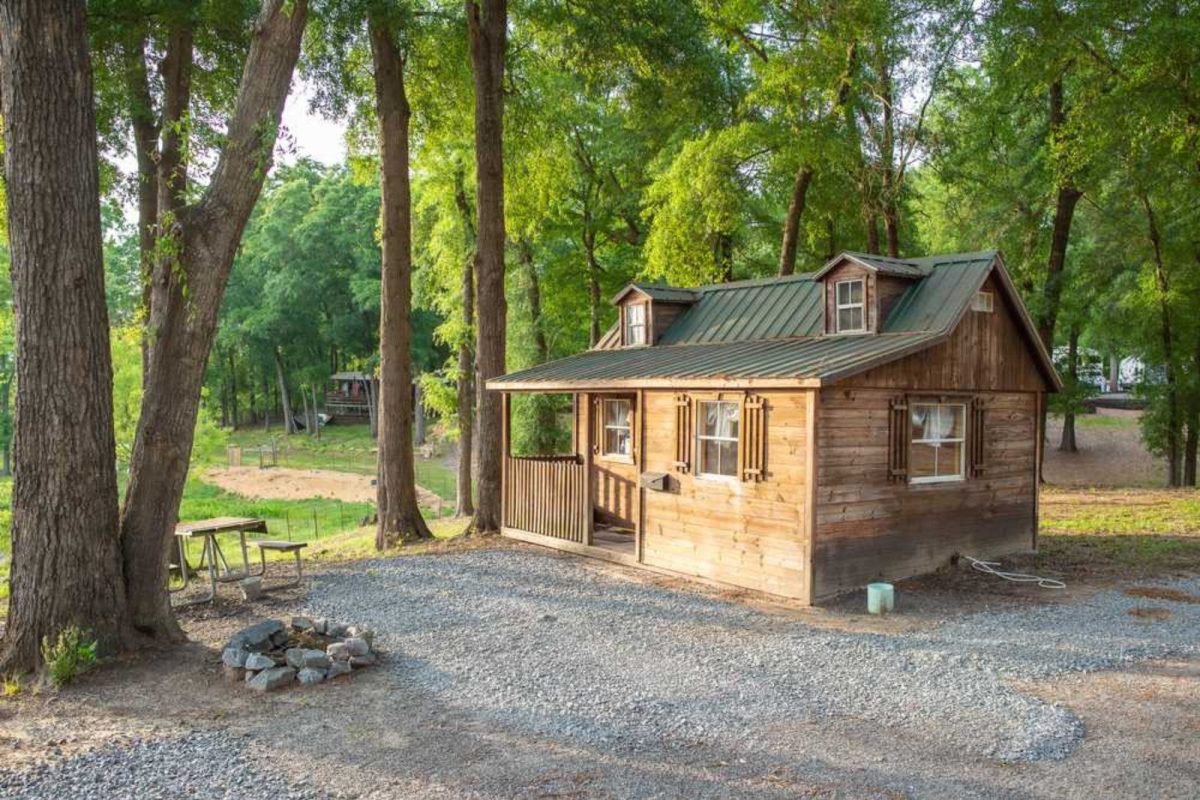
938	434
717	434
851	308
982	301
617	438
635	324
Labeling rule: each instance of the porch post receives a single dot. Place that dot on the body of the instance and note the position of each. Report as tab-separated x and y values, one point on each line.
584	409
506	449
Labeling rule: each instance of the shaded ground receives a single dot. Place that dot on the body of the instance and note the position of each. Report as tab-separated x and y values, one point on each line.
1111	453
519	673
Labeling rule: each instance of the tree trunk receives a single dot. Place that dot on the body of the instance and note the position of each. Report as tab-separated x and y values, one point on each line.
872	232
1191	447
1067	444
182	323
595	301
487	27
145	138
1114	372
890	189
723	257
285	397
233	404
66	558
464	505
308	426
791	225
399	515
418	413
1162	284
1064	212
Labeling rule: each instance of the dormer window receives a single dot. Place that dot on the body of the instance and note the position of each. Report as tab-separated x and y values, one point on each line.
635	324
851	306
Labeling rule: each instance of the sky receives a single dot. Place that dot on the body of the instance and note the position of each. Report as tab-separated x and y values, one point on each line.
314	136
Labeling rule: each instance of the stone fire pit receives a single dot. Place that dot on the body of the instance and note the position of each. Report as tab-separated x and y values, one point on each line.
269	656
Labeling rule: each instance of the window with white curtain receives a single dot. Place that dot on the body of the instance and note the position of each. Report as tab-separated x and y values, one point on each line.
635	323
938	450
618	439
717	426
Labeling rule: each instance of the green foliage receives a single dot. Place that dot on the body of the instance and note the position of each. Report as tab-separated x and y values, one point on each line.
69	656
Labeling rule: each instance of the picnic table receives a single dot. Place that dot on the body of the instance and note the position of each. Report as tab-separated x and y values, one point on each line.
211	555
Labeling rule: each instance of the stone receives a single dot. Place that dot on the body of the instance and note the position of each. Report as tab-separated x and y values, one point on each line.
362	661
294	656
302	624
336	630
234	657
357	647
257	661
310	677
271	679
361	632
320	625
338	651
315	659
233	674
259	637
337	668
251	587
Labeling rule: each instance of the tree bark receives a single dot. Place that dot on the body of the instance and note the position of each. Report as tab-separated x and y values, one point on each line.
186	297
285	397
233	390
145	138
1162	284
1067	443
66	558
487	27
1067	196
399	515
791	225
464	504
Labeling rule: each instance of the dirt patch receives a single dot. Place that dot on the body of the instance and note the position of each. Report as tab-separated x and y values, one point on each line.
1162	593
1109	455
1150	613
282	483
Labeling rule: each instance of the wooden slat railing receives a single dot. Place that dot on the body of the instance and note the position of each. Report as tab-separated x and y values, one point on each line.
547	495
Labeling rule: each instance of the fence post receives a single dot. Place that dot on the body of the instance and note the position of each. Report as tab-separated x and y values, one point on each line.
316	533
287	518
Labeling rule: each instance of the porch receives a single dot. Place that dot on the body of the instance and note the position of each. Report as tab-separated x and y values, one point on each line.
566	500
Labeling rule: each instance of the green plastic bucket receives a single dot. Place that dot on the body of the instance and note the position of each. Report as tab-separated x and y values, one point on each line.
881	598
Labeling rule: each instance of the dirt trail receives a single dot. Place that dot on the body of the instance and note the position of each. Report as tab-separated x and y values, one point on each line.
281	483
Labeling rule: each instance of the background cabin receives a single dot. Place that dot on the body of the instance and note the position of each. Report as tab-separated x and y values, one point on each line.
348	394
801	435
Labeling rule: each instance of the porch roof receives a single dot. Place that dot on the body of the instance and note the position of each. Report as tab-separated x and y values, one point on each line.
787	362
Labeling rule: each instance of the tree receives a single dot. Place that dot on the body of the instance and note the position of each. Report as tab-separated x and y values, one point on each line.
66	554
487	30
188	285
399	515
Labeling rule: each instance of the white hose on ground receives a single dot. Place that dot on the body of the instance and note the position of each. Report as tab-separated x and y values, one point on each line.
989	568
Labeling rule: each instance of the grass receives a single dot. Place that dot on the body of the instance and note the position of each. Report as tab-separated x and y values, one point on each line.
1120	532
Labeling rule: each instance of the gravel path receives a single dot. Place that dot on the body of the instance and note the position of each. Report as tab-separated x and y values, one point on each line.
545	645
205	766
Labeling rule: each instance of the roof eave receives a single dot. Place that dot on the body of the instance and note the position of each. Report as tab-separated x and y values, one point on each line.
655	383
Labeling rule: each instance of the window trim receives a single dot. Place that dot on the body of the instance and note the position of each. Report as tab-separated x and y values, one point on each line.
643	326
839	306
962	440
699	470
983	301
605	427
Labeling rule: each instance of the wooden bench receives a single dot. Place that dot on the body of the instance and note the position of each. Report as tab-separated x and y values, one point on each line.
294	548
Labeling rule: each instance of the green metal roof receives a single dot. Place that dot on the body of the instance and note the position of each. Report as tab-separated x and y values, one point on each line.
904	267
754	361
772	330
667	294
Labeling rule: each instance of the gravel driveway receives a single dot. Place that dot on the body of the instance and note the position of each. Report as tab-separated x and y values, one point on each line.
645	691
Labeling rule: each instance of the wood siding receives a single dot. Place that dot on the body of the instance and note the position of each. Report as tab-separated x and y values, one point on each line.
986	352
869	528
889	289
614	483
745	533
662	316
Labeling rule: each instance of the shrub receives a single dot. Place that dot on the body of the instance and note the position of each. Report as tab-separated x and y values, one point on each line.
10	686
72	655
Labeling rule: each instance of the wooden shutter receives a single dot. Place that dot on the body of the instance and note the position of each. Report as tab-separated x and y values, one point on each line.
752	439
975	456
597	424
898	435
684	435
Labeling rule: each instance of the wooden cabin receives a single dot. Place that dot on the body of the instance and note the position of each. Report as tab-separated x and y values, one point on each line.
349	394
801	435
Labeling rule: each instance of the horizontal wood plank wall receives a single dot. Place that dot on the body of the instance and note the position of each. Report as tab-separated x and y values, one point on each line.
547	495
869	528
888	289
664	315
987	351
614	482
744	533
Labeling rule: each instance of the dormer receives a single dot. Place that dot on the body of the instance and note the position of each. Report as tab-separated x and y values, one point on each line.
861	289
646	311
